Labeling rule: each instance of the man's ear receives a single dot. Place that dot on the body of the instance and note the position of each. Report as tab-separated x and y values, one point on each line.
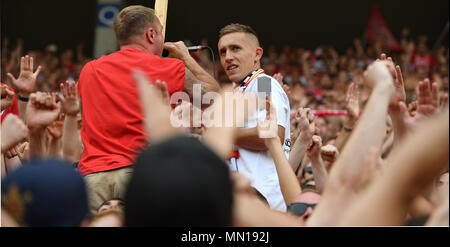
150	35
259	53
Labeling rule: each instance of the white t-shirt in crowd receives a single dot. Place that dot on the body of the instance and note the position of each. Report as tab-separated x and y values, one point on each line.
258	166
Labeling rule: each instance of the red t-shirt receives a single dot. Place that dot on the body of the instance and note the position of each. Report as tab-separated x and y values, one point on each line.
112	120
14	109
425	61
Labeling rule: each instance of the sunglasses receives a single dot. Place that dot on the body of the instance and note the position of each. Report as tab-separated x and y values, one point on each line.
307	169
299	208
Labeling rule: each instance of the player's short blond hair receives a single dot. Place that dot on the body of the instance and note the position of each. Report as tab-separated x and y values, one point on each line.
133	21
238	28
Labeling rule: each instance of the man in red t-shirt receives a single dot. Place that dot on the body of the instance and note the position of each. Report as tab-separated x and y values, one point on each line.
112	120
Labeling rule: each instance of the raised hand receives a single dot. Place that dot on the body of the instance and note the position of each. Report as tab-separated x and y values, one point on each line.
13	132
426	106
19	150
428	98
352	102
56	128
279	77
42	110
268	128
399	94
329	153
306	123
314	149
70	102
26	83
381	74
7	97
177	50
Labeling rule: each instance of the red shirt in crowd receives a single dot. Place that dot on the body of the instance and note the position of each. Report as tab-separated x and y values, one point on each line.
112	120
14	109
425	61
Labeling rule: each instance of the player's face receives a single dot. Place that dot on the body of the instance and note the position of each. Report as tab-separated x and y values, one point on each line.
239	55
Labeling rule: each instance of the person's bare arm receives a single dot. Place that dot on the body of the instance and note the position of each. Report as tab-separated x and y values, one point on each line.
71	146
7	97
12	164
249	139
418	160
329	154
249	211
13	132
420	207
220	137
195	74
54	135
41	111
427	105
26	83
440	215
307	127
318	168
344	179
352	107
267	130
14	157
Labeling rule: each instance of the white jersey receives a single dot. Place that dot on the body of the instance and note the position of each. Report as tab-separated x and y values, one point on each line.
258	166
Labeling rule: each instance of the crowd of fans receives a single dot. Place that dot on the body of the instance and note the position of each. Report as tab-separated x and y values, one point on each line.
315	81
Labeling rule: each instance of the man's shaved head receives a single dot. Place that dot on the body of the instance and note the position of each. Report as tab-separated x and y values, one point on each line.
235	28
239	51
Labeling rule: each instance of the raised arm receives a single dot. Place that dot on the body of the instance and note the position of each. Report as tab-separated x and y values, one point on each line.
344	179
307	127
7	97
220	137
26	83
267	130
41	111
13	132
55	133
353	109
418	160
71	145
318	168
195	74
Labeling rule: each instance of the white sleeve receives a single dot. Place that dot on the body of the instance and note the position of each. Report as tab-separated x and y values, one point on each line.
281	103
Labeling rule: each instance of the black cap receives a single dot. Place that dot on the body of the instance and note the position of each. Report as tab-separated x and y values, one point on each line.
179	182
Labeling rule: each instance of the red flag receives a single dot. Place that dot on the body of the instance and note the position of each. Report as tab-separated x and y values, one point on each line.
377	30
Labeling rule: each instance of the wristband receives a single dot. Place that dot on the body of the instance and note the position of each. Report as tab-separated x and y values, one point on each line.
24	99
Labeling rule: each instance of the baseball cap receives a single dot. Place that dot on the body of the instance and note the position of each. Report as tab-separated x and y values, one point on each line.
179	182
45	193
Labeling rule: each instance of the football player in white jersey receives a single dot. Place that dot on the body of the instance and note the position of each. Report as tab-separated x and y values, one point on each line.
240	54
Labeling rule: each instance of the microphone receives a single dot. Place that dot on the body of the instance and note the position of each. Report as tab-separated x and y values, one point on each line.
196	48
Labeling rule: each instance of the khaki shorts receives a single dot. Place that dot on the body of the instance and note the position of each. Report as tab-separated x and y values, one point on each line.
103	186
